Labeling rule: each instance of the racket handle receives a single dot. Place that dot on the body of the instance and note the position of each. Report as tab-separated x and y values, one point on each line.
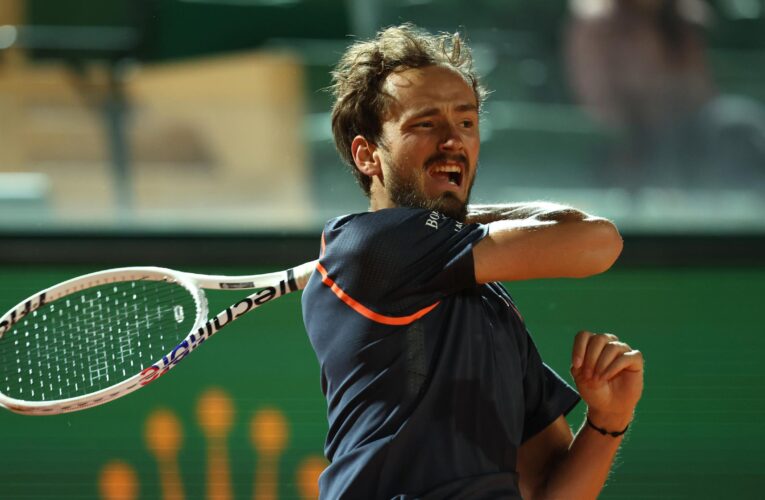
303	273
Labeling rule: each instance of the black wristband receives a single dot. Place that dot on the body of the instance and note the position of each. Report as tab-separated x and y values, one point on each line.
605	432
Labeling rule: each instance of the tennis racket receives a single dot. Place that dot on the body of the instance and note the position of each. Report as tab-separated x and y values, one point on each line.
95	338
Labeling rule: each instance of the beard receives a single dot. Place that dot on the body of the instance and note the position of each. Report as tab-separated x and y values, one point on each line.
404	192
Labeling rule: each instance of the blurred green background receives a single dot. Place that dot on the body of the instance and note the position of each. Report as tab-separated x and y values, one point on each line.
195	134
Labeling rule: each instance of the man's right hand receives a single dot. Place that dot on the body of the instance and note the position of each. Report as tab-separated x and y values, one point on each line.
609	376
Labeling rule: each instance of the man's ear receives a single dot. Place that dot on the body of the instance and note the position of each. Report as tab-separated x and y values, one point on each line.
366	157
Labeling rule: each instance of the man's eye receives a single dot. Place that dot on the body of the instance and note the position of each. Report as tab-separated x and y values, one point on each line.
424	124
467	123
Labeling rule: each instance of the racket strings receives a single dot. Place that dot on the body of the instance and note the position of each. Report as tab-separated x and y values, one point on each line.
94	338
86	343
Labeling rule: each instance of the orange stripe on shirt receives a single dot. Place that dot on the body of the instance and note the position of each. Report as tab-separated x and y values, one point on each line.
366	312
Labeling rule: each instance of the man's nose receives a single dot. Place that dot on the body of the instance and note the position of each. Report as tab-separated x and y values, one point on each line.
451	138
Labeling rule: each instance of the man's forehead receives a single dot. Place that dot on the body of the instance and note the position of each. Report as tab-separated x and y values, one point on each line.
422	87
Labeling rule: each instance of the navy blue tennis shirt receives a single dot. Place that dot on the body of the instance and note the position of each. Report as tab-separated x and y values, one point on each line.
432	381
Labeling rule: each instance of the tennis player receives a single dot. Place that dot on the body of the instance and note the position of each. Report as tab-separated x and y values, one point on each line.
434	387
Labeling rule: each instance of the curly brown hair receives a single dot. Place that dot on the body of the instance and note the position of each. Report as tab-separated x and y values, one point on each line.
358	78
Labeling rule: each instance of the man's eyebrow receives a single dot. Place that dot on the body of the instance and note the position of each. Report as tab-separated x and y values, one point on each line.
422	113
466	107
461	108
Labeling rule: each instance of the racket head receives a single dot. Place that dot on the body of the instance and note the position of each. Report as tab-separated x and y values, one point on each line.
85	341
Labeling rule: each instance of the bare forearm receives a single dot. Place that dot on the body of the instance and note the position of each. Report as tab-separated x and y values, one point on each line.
583	470
538	210
541	240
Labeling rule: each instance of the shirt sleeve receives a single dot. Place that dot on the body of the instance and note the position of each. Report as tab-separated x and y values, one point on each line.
401	260
547	395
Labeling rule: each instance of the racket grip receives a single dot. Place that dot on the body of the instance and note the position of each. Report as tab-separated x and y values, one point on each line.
303	273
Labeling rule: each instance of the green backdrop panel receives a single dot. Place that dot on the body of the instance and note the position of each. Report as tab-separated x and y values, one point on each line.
698	434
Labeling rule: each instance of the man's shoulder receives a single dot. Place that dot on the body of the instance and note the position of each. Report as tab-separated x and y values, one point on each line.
380	221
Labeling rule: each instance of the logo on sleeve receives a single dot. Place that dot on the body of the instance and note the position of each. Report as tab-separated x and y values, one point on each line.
433	219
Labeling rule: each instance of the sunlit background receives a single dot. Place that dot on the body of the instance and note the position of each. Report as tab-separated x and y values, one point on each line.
196	133
199	115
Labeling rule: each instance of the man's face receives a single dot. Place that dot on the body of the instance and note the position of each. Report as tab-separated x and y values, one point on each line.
430	140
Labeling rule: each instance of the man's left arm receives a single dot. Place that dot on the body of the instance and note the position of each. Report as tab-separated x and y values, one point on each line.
541	240
554	464
543	211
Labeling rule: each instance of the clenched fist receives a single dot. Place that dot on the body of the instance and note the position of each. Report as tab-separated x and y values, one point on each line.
609	377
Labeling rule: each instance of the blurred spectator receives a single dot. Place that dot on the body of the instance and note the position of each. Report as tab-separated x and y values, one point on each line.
640	68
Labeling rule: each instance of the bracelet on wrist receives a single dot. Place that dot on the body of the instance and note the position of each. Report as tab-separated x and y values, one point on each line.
604	431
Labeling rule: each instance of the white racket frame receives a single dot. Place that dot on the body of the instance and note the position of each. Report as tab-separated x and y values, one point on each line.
274	284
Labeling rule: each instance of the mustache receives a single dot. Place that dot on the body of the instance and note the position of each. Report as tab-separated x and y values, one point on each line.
444	157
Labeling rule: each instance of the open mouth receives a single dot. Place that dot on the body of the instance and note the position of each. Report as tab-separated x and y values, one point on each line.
452	174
